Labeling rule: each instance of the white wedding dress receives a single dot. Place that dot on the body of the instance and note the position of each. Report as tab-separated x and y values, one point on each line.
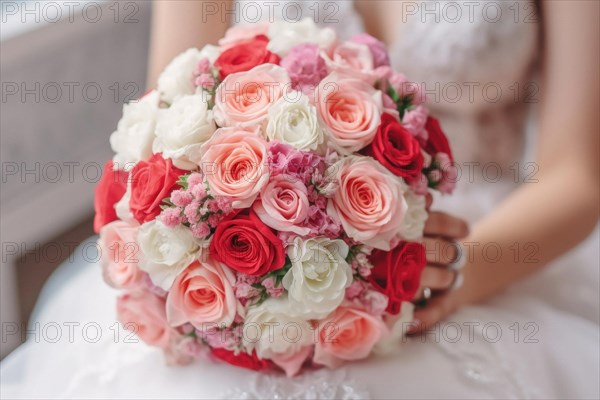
540	339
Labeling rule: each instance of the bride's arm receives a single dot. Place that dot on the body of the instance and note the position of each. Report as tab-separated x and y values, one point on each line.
553	215
179	25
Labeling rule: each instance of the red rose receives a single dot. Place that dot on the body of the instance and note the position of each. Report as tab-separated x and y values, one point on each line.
110	189
151	182
397	273
437	142
247	245
396	149
244	360
245	56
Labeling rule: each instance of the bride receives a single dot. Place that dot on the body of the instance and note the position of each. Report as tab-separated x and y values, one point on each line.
525	321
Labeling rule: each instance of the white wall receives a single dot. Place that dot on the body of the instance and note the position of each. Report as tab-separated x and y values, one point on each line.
57	133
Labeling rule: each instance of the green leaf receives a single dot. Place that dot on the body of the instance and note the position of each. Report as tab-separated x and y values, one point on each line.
166	203
191	334
182	181
393	94
263	296
403	104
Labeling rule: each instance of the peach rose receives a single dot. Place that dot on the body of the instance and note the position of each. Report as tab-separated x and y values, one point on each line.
242	33
283	205
353	59
349	110
143	312
369	201
120	254
291	363
244	98
235	164
203	296
347	334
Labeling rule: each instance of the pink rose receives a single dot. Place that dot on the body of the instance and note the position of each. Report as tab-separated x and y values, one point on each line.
414	120
143	312
347	334
305	66
369	201
291	363
119	254
350	111
238	34
353	59
446	176
244	98
389	106
420	185
184	349
377	48
203	296
235	163
404	88
283	205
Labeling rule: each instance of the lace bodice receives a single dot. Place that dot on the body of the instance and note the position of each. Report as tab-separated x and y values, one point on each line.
477	72
474	59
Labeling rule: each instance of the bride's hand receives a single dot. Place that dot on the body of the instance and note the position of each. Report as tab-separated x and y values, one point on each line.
442	231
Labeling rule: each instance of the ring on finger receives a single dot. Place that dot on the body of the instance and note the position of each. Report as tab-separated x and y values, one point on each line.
426	293
458	280
460	260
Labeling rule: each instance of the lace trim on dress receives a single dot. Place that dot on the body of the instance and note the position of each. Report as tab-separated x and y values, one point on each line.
318	385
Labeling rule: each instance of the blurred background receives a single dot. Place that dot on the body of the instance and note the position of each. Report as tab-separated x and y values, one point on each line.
61	99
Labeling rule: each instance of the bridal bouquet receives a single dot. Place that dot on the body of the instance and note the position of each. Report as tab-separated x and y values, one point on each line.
266	202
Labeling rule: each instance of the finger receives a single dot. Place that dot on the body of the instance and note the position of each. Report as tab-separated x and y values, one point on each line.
436	278
428	201
426	318
418	295
445	225
440	251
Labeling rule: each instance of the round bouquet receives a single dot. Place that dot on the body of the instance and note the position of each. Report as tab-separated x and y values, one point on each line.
266	202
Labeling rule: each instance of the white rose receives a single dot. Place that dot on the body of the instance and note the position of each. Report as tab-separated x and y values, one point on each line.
398	325
413	223
184	126
177	78
295	122
285	35
319	276
271	329
165	252
132	141
122	207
